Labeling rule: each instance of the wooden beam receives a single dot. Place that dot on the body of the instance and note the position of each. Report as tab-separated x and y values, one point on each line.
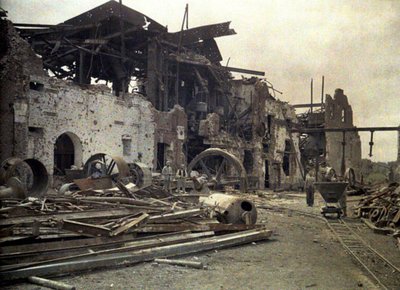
245	71
217	227
136	222
123	259
185	263
178	214
59	246
307	105
72	216
50	283
85	229
132	246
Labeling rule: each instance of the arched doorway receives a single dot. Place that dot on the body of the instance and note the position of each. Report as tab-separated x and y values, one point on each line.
64	154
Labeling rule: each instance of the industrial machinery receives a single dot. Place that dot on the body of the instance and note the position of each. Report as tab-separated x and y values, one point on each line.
331	192
22	178
231	209
221	167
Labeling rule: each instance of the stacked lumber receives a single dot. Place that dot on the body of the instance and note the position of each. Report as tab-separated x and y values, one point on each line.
92	229
380	209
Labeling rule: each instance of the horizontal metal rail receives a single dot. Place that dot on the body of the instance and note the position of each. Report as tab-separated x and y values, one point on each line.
350	129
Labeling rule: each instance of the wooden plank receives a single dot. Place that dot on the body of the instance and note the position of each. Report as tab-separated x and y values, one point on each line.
85	229
133	246
120	200
123	259
65	247
50	283
68	245
216	227
69	216
185	263
177	214
124	189
396	217
133	223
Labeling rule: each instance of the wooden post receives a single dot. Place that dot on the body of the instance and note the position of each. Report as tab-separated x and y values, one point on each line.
50	283
191	264
322	91
311	108
81	67
343	168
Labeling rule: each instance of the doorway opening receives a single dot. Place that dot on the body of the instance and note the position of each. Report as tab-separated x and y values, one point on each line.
64	154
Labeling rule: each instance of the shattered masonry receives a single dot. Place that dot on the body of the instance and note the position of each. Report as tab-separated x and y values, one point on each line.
340	115
184	101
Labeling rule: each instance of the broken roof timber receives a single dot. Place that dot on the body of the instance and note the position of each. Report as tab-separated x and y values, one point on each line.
112	9
245	71
200	33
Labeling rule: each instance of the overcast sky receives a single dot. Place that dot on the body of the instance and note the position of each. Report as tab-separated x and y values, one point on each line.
354	44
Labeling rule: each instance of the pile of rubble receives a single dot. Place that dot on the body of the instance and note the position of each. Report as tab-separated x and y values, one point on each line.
90	229
380	209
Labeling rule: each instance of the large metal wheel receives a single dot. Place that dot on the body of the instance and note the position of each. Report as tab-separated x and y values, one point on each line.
30	172
113	166
350	177
141	174
221	167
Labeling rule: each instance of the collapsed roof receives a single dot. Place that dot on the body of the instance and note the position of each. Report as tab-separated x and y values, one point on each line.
110	42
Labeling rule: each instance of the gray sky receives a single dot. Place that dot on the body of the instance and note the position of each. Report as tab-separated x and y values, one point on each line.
353	43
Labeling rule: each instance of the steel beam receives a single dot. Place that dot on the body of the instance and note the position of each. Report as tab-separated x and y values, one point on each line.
351	129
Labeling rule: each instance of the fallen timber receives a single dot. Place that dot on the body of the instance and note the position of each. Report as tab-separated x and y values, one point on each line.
137	245
49	283
85	230
380	209
191	264
138	256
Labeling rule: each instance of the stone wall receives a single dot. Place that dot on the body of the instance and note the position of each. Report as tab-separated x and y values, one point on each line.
17	62
171	129
254	93
281	113
36	109
96	121
339	114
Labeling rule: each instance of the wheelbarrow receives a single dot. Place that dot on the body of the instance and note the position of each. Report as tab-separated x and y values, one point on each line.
331	192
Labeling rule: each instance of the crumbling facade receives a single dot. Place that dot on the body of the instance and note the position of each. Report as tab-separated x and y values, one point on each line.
327	136
182	102
339	114
38	111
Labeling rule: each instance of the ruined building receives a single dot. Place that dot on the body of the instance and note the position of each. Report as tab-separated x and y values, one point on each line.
337	149
115	81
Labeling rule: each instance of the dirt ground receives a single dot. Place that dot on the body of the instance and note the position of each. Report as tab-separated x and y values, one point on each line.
302	254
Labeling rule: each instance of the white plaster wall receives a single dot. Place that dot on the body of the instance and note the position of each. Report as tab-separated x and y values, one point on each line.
281	134
94	115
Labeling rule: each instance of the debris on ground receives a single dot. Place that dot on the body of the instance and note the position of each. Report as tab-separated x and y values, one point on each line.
91	229
380	208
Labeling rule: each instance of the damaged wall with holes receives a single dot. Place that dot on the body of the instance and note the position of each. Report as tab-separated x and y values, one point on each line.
259	136
339	114
168	143
37	110
185	101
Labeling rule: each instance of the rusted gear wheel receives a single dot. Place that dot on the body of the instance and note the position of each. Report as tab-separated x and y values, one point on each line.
114	166
221	167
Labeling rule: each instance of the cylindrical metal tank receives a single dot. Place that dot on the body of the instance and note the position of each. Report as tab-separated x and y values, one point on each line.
231	209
